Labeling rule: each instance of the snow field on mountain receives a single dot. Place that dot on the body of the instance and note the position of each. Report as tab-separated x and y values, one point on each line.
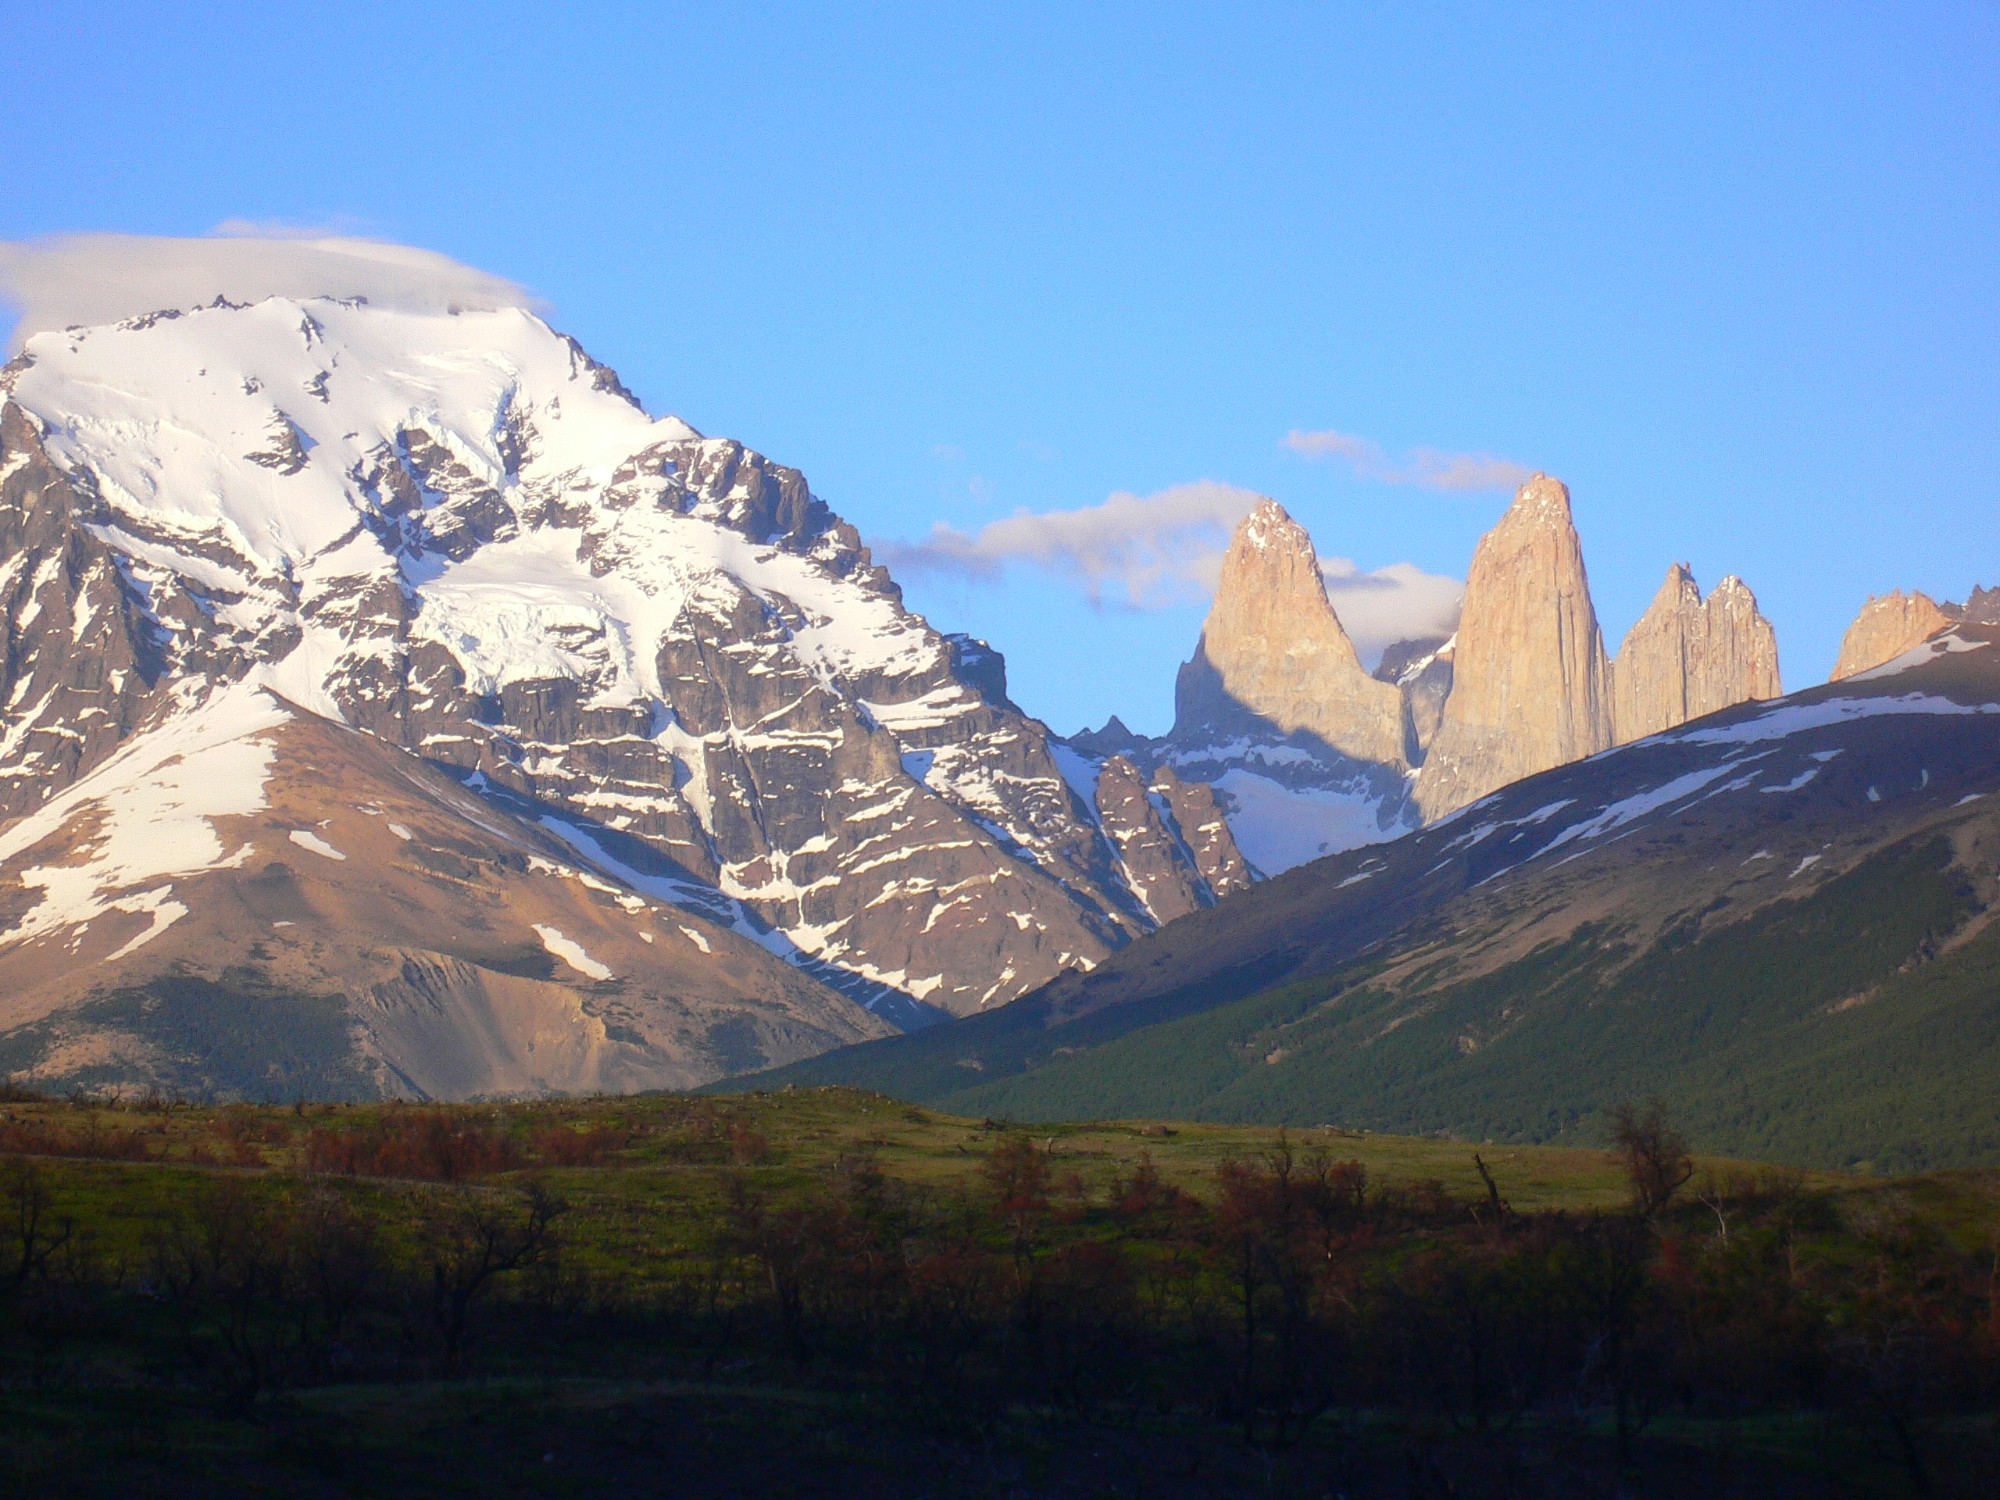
168	413
149	814
1916	656
1277	826
1796	718
183	420
1630	809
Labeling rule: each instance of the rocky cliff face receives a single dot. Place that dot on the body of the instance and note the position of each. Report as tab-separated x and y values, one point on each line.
74	691
461	535
1888	625
1305	751
1421	671
1273	657
1687	657
1269	714
1529	688
1198	822
1170	838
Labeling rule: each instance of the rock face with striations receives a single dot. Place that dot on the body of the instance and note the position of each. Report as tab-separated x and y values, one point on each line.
1170	838
1274	658
1888	625
1687	657
1982	607
1200	826
1529	683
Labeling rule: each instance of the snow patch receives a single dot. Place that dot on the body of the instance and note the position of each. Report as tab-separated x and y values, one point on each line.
1797	781
155	904
570	952
306	839
1630	809
1917	656
1079	772
1797	718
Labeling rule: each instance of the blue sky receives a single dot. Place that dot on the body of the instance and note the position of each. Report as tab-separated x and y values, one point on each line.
1733	273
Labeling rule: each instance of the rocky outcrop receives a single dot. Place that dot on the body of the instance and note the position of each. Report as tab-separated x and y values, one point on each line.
1115	738
1160	872
76	690
1888	625
1170	837
1529	687
1688	656
1198	822
1421	671
1273	658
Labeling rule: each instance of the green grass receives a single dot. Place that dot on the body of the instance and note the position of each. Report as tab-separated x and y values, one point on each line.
654	1199
681	1147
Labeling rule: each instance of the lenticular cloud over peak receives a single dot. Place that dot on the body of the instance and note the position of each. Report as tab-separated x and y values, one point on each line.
104	278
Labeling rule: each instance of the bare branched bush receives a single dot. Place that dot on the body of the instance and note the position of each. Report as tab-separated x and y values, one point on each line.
1656	1156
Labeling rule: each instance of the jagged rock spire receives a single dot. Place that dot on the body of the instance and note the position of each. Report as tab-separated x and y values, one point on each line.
1530	687
1273	654
1686	657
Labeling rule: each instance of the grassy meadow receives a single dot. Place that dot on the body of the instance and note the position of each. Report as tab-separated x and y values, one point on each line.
826	1291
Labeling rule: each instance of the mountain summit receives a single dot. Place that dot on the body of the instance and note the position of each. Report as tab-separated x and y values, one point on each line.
1309	754
1888	625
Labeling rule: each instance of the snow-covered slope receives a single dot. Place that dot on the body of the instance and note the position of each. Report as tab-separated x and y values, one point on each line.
460	534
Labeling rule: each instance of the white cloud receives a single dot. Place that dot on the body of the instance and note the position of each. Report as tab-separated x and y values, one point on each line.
1153	550
1430	468
1398	603
103	278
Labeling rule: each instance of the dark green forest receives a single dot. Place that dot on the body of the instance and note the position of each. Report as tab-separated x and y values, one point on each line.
1844	1028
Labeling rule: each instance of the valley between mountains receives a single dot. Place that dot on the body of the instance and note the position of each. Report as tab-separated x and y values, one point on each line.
394	709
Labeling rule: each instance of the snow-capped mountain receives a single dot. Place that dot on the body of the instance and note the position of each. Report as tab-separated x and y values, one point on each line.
461	535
